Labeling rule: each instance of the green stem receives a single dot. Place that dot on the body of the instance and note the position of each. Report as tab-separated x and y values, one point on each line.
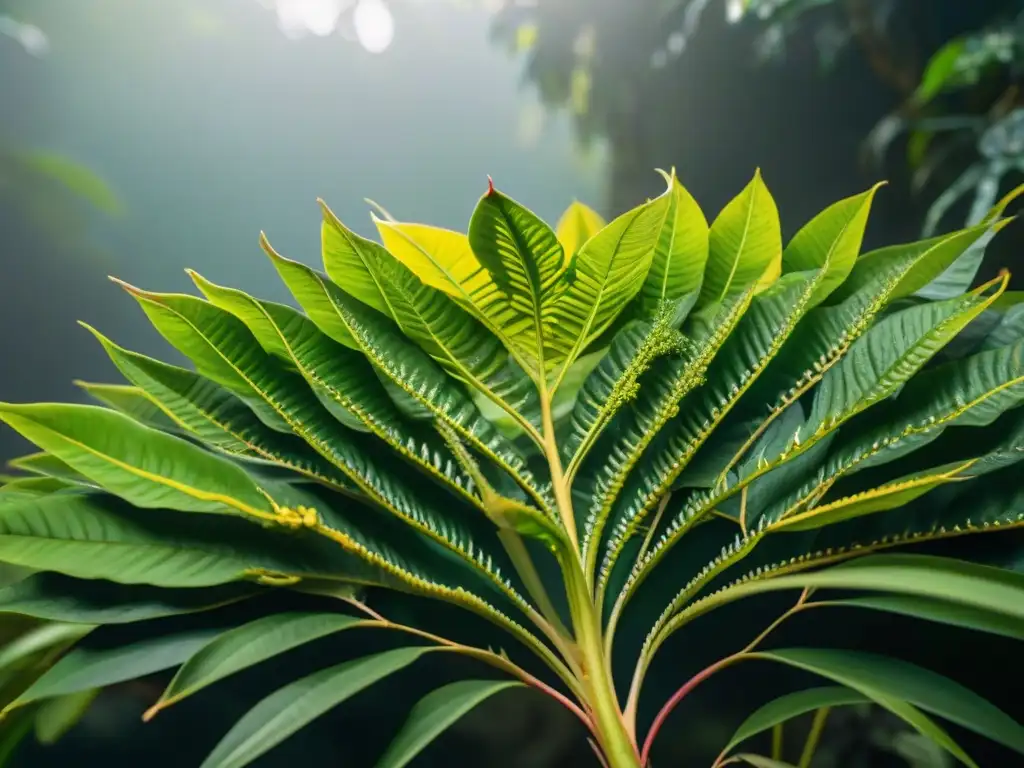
812	738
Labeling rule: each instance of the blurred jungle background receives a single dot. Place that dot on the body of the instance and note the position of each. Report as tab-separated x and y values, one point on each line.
140	137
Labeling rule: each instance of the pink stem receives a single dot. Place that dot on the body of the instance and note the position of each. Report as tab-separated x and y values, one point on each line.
677	697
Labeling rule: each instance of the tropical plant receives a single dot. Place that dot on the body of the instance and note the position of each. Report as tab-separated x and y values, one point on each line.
755	419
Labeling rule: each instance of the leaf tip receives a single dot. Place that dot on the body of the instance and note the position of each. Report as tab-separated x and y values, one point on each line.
490	186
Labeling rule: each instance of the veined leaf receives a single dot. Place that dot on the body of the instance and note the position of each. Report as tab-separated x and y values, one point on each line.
881	499
84	669
218	418
343	379
434	714
745	242
452	336
665	386
578	224
899	680
130	401
792	705
444	260
615	381
830	241
331	309
525	260
681	253
296	705
48	466
352	261
144	466
939	611
247	646
771	318
92	536
59	598
607	272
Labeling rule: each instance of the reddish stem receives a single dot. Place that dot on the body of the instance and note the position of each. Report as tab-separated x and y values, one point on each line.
678	696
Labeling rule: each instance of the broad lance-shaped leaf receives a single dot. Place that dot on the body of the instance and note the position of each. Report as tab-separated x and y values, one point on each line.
218	418
820	342
55	597
216	339
681	253
245	647
958	277
669	381
792	705
46	465
460	343
146	467
352	261
335	313
607	273
615	381
343	379
94	536
293	707
901	344
771	318
84	669
905	682
526	261
832	241
828	246
577	224
130	401
745	244
444	260
435	713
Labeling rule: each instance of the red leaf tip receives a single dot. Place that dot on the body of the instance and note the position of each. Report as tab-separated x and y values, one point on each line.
490	185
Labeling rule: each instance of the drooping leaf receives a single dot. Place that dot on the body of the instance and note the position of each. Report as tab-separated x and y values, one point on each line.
85	669
41	638
247	646
434	714
899	680
291	708
789	706
140	464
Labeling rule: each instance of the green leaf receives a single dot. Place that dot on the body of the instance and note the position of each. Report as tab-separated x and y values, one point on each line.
296	705
452	336
681	253
760	761
933	693
792	705
47	465
76	178
434	714
744	242
144	466
607	273
41	638
60	714
831	240
91	536
939	70
59	598
352	261
130	401
939	611
578	224
85	669
526	261
247	646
